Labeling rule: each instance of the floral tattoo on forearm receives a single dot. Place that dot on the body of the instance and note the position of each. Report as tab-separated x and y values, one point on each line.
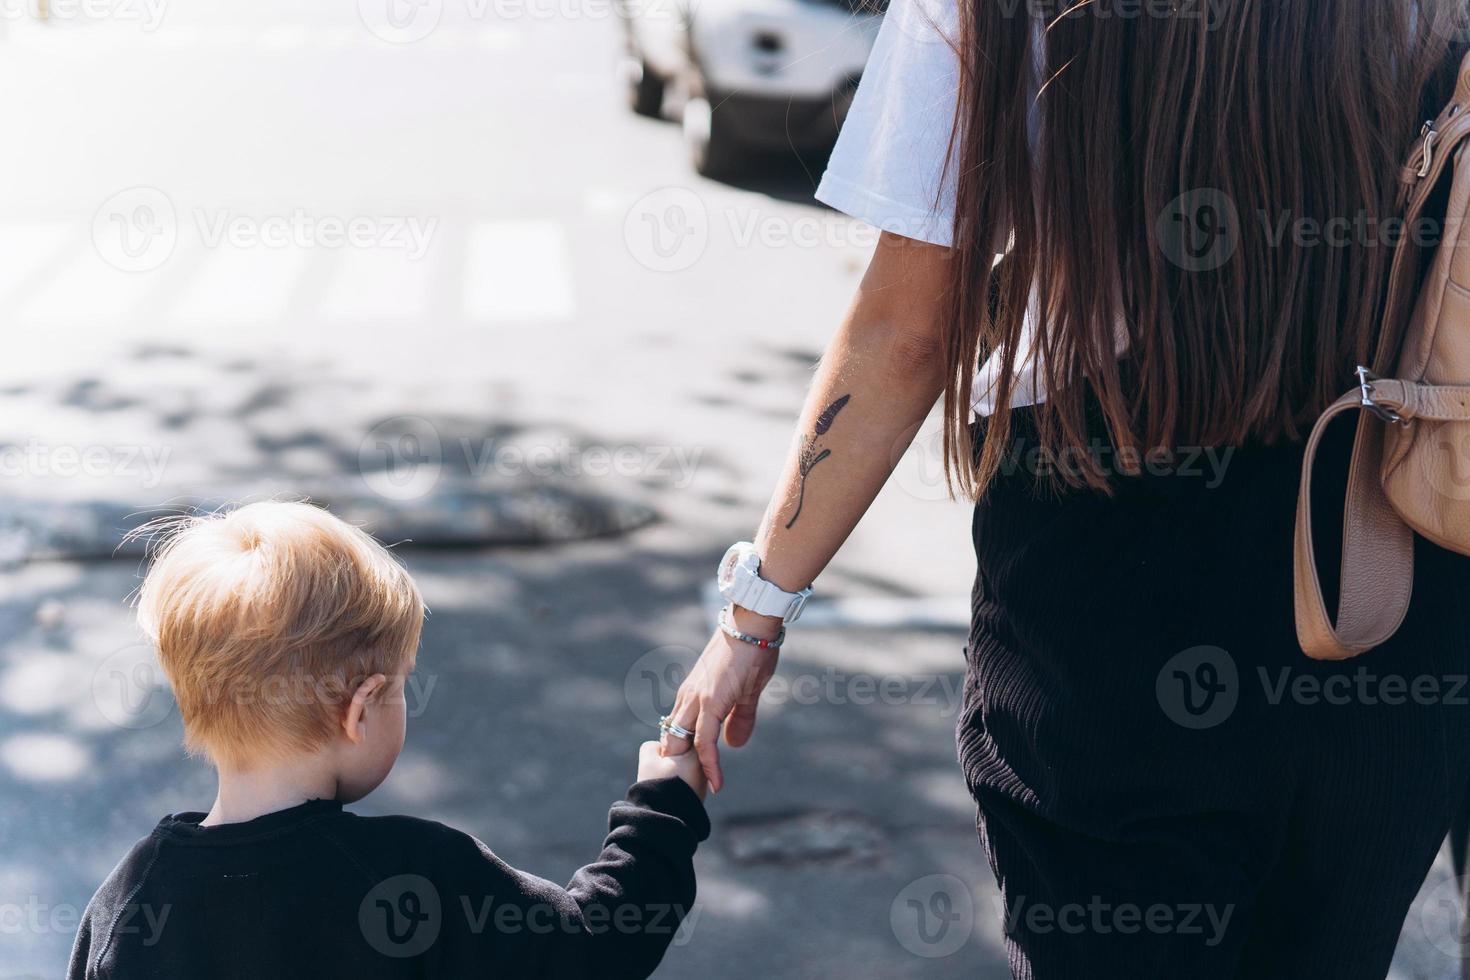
812	453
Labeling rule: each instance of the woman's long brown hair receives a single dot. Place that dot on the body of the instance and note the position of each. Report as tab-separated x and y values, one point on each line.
1184	153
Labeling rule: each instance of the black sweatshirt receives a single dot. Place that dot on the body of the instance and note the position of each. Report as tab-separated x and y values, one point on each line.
317	892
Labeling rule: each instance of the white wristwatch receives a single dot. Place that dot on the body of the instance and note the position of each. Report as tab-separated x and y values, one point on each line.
740	582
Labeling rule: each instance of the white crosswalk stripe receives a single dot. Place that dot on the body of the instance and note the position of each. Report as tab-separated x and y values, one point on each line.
242	285
380	284
85	289
518	271
27	249
513	271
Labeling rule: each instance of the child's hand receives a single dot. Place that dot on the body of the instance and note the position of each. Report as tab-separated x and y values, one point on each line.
653	765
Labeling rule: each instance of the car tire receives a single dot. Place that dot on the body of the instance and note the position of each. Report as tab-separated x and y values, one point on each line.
714	149
645	90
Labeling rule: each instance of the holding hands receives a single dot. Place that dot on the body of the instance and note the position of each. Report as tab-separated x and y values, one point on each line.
721	693
653	764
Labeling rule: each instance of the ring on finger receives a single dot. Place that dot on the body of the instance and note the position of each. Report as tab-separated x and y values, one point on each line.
667	726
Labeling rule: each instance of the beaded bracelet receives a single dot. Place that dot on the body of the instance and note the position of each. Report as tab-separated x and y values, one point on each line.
729	629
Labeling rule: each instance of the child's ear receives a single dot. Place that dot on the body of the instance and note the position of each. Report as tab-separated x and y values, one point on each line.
353	718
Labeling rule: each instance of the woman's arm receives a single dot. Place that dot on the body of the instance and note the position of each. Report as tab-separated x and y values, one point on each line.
876	383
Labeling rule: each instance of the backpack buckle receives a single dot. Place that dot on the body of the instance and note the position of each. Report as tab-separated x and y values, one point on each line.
1429	134
1365	387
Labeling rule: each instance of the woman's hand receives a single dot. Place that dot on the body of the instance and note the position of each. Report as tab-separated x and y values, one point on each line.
883	372
722	690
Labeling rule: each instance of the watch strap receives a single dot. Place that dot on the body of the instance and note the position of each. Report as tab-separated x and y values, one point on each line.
748	590
767	599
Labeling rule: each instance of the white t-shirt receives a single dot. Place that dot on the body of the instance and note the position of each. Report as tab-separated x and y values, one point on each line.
888	167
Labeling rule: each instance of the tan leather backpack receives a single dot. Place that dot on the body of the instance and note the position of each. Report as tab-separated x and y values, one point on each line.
1410	470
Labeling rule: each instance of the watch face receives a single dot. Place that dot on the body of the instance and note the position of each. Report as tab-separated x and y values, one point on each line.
726	575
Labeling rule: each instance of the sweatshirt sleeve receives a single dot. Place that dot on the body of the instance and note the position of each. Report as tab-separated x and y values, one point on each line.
81	949
99	921
482	917
625	907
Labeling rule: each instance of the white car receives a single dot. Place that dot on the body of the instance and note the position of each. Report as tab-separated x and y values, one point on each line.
748	75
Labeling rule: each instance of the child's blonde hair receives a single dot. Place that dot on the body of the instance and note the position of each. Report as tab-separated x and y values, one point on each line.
266	619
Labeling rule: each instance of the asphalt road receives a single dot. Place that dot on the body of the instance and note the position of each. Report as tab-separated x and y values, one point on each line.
266	251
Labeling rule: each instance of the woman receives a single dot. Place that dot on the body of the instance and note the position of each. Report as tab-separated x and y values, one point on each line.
1158	769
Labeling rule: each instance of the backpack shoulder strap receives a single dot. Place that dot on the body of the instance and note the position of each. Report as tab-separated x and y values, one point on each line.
1377	579
1377	571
